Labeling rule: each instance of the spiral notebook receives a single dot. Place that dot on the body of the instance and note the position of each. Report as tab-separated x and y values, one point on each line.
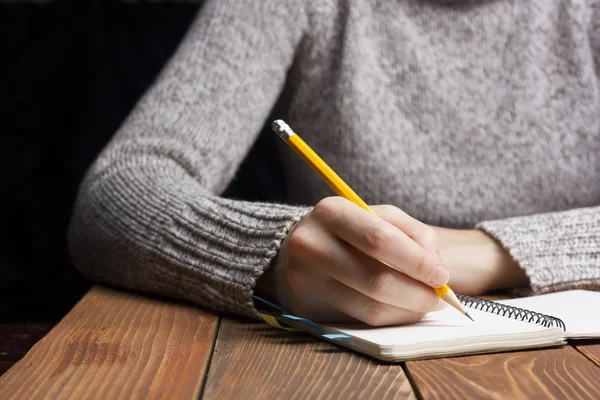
498	327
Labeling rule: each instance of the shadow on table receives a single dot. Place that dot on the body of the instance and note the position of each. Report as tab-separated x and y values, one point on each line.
282	337
584	342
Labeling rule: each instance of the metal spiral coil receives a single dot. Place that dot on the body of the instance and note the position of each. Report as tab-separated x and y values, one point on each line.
517	313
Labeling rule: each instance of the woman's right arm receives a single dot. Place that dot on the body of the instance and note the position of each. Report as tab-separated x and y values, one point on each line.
148	215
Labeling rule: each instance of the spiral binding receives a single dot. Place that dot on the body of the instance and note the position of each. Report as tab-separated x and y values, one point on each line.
517	313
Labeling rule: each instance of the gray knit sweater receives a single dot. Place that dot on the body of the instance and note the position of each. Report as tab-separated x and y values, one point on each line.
477	113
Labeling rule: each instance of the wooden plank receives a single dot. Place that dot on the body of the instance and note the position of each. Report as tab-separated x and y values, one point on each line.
557	373
116	345
17	338
589	348
255	361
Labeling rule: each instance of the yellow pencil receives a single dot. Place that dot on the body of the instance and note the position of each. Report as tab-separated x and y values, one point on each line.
342	189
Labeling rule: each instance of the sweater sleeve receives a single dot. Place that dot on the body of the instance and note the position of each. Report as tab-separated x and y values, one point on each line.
148	214
557	251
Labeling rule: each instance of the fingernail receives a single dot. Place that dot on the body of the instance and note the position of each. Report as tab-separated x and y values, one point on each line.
440	305
439	276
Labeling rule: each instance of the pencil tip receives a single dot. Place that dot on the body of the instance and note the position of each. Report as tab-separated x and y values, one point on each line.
468	316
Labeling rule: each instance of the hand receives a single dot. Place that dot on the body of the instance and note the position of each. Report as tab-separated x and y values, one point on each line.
341	263
477	263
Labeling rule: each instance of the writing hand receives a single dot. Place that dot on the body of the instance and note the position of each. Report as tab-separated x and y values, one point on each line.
341	263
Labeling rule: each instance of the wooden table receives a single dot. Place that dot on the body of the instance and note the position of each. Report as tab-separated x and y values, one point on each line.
118	345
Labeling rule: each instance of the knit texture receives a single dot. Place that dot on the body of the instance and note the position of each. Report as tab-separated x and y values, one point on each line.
464	114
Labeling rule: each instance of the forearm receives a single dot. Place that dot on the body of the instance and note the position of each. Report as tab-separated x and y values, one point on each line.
165	235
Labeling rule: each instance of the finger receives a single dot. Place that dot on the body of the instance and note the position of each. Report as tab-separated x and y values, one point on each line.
415	229
378	281
366	309
380	240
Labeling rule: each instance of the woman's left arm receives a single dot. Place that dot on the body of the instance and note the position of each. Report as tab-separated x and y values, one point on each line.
545	252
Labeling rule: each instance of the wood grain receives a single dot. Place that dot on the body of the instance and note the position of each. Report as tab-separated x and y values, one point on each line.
558	373
589	348
255	361
115	345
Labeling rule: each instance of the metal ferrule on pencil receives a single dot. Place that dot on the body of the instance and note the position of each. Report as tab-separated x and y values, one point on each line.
282	129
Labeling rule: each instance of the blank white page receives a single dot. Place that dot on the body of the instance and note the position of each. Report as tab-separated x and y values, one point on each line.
578	309
447	326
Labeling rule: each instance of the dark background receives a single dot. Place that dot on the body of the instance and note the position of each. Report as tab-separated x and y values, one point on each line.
70	72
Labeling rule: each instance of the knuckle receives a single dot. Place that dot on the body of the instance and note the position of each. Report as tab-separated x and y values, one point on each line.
299	243
378	238
381	284
385	209
374	313
327	207
430	235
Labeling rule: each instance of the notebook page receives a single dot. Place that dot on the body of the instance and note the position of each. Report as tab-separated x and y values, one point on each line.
447	325
579	310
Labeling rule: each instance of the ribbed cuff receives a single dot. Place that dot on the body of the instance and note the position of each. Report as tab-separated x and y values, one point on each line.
186	244
230	244
557	251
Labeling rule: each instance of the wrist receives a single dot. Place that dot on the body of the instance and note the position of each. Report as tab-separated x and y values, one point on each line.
477	263
500	270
